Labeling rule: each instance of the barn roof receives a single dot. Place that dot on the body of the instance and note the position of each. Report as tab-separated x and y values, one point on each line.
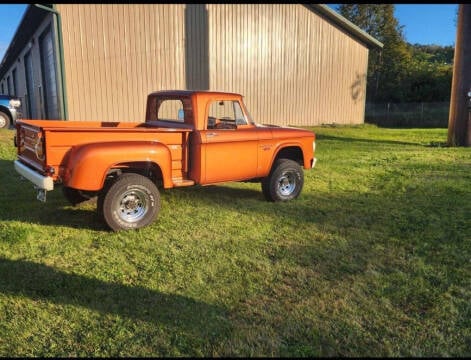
29	23
337	19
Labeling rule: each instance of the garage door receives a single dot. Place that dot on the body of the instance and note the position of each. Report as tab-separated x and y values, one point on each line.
48	68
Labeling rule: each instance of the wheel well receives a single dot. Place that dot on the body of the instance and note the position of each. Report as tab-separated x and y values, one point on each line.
144	168
292	152
5	110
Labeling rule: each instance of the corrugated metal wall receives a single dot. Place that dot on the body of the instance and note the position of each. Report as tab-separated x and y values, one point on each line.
292	66
116	54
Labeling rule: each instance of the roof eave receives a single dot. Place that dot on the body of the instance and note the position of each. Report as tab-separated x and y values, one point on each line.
346	25
31	19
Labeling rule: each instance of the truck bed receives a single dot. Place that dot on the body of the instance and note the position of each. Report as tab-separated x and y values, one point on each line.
58	137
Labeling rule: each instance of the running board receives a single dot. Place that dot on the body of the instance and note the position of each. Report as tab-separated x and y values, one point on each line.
182	182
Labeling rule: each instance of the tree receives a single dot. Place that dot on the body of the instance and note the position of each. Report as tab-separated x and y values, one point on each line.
433	53
387	71
429	72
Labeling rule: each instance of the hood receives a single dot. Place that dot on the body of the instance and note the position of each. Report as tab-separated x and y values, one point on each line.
287	131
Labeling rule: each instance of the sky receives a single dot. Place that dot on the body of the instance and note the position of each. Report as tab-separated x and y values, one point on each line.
10	17
423	23
427	24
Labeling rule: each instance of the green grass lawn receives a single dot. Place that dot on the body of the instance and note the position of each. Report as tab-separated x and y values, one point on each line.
373	259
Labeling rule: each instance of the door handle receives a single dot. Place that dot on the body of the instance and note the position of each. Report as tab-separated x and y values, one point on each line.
212	134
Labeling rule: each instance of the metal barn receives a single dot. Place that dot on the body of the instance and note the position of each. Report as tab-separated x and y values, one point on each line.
296	64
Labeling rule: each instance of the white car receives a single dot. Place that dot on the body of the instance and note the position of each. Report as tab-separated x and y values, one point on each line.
9	110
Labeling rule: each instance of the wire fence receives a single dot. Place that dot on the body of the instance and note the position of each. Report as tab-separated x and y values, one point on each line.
422	115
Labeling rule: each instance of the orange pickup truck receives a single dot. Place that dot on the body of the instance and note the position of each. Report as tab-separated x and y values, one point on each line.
188	138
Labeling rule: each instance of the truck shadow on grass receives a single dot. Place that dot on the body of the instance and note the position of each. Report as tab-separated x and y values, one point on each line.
58	211
251	201
321	137
20	203
185	316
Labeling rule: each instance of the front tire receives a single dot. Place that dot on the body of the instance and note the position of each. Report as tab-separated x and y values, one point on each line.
131	202
285	181
4	120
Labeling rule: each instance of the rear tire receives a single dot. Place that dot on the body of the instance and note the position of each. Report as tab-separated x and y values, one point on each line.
285	181
131	202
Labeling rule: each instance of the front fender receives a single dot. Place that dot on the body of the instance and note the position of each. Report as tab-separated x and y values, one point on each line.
88	164
268	158
303	144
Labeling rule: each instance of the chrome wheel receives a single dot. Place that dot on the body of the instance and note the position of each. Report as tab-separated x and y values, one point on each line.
133	205
286	183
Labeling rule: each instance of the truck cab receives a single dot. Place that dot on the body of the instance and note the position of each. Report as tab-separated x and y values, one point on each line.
226	144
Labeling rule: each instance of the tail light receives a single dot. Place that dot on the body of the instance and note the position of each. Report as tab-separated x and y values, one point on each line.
20	139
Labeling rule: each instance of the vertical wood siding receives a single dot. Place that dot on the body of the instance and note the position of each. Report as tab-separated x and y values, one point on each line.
292	66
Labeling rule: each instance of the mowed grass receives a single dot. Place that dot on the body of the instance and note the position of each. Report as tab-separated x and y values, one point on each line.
373	259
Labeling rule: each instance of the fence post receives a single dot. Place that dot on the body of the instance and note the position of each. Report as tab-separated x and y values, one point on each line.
457	122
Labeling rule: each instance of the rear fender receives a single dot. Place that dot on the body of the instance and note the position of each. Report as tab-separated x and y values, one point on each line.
88	165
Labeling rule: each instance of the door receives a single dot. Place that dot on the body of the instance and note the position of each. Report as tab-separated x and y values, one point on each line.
48	68
229	144
29	96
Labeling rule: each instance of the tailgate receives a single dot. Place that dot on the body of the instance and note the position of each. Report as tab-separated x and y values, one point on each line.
30	146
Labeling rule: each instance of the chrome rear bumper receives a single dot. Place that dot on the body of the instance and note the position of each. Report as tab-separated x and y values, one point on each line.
41	182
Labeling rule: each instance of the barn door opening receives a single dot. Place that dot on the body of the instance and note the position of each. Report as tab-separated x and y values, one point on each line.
49	79
30	99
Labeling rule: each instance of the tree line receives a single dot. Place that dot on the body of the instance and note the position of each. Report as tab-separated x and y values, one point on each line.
401	72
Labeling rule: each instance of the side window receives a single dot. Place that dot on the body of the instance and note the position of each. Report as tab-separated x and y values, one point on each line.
225	114
171	110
